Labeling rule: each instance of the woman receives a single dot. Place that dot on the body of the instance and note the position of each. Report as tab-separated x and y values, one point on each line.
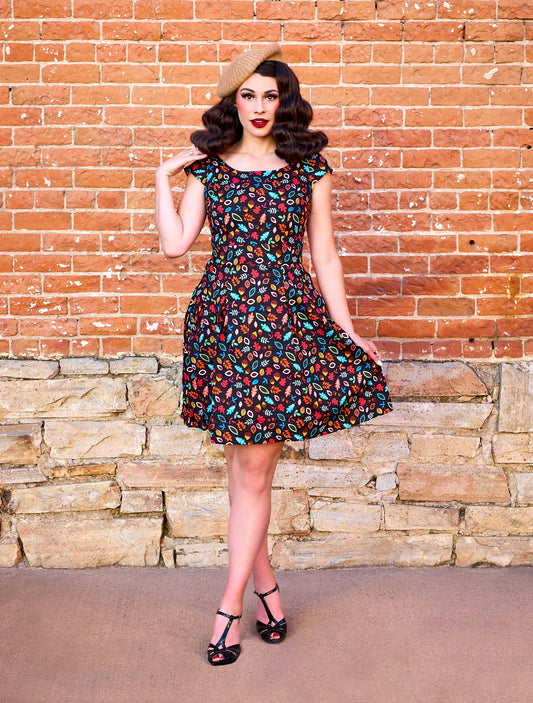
266	356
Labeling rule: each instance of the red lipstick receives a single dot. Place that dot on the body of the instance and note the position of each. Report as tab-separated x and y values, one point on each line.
259	123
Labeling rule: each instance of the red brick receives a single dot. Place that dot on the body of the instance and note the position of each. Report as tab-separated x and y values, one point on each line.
25	348
163	9
390	263
402	137
124	73
102	9
25	136
508	348
493	31
462	179
131	283
42	220
473	200
515	327
111	199
73	115
14	53
102	178
431	158
484	285
445	307
433	31
101	220
410	9
84	347
289	10
372	31
407	328
82	51
71	283
496	307
41	8
15	30
132	31
477	350
443	137
8	327
416	350
188	31
108	326
514	9
374	285
521	221
42	263
100	95
430	285
449	349
521	263
30	305
492	243
116	346
73	73
93	305
468	9
71	156
459	264
49	327
95	263
466	329
389	307
402	179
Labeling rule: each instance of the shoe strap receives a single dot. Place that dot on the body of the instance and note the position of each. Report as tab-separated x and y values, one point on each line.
221	644
262	596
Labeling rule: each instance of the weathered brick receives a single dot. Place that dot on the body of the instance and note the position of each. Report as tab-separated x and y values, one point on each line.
345	516
175	440
21	474
440	415
336	446
442	448
84	367
28	368
62	397
377	549
133	364
141	502
494	550
93	440
524	487
484	518
516	398
467	483
421	379
10	554
512	448
20	444
161	474
420	517
98	495
151	395
79	544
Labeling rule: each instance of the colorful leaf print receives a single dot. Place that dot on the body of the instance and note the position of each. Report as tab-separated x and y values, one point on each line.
262	360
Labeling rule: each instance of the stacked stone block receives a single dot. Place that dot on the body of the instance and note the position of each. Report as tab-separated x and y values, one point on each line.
96	468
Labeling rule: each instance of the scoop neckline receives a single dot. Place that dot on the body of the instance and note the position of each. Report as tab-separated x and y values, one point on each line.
268	170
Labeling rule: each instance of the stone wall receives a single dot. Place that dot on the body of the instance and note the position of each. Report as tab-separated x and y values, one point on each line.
97	469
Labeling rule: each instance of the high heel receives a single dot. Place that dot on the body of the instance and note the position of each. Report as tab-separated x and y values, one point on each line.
230	654
275	630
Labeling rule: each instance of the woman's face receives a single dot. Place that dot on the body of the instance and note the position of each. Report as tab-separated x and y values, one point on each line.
257	101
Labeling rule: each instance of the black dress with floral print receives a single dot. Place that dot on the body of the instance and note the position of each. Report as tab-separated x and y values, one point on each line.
263	361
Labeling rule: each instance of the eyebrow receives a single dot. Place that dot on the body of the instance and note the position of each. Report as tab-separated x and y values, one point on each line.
249	90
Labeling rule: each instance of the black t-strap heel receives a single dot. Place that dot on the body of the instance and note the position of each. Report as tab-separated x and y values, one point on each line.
230	654
275	630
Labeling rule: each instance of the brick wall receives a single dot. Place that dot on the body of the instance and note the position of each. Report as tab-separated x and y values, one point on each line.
429	110
96	470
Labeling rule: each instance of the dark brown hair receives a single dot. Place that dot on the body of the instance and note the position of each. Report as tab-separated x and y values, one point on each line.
294	141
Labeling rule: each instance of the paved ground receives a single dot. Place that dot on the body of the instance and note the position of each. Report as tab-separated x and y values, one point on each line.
378	635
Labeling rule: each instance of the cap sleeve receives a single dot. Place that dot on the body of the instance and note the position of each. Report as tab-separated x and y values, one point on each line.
198	170
316	167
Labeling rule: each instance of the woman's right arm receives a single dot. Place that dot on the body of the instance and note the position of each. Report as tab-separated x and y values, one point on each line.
178	230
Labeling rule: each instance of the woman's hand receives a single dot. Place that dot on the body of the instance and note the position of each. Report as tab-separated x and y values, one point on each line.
369	347
176	163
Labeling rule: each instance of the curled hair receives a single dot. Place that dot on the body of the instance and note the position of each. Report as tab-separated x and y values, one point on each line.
294	140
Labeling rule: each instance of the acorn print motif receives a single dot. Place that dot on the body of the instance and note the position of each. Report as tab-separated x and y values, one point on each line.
263	361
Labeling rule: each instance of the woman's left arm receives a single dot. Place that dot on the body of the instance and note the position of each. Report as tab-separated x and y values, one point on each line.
328	266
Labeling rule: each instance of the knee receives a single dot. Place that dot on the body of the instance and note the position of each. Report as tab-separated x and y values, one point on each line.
255	476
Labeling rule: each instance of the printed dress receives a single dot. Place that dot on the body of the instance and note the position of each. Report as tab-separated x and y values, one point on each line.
263	361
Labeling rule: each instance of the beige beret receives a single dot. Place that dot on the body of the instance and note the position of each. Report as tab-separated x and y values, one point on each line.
244	65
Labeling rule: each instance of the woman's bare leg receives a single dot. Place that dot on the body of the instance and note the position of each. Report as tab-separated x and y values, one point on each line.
251	469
